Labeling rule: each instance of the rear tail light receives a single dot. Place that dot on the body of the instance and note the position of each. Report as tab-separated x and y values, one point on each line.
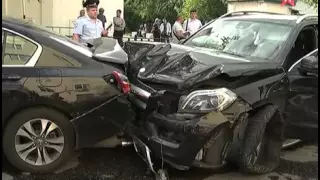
122	81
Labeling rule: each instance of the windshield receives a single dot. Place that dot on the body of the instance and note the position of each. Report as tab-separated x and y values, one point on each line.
242	38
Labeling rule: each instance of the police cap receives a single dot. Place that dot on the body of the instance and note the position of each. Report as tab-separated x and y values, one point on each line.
90	3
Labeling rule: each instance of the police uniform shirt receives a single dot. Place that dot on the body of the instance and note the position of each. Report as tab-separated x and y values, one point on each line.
87	29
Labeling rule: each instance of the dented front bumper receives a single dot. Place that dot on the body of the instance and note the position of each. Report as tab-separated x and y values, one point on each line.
177	138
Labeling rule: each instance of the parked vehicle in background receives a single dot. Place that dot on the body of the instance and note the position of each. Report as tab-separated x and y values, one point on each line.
226	94
56	97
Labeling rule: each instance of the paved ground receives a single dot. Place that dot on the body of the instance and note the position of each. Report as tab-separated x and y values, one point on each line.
124	164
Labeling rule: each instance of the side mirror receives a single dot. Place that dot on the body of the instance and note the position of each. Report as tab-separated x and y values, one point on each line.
309	65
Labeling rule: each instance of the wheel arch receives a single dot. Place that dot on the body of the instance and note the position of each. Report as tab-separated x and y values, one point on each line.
22	108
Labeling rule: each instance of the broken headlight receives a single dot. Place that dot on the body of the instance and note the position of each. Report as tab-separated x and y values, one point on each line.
207	100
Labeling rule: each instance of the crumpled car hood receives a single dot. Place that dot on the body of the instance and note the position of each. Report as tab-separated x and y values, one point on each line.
109	50
185	66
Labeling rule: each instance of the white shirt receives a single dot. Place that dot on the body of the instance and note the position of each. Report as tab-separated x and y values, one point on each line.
175	28
193	25
87	29
168	28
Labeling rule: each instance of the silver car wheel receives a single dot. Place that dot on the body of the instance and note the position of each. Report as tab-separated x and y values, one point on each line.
39	142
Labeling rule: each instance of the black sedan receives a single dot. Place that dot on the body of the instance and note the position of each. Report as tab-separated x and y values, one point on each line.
56	96
228	93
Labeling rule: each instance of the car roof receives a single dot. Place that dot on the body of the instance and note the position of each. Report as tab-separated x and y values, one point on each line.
14	20
24	24
268	17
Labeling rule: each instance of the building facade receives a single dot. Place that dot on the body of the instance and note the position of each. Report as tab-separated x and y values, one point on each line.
55	13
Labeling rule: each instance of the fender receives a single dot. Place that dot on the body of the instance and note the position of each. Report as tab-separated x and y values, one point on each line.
23	99
270	90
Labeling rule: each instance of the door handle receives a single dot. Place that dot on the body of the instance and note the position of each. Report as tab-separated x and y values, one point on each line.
12	77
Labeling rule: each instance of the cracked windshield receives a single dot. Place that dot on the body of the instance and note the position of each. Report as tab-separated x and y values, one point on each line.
243	38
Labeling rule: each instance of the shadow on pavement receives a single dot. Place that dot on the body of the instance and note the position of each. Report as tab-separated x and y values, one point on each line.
124	164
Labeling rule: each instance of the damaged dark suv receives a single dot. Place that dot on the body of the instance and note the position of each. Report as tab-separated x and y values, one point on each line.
229	93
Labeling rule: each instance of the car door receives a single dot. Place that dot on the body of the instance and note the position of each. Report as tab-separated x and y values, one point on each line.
301	110
19	56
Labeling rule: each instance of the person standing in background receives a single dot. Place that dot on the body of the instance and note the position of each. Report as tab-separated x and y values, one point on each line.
148	26
178	33
82	13
144	30
102	17
119	25
89	27
140	30
165	29
193	24
156	30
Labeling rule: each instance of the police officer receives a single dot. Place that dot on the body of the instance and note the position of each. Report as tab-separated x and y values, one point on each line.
89	27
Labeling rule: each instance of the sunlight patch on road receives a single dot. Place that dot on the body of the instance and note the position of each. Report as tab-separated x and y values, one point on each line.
303	154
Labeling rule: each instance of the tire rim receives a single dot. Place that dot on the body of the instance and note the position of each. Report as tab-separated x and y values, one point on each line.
290	142
39	142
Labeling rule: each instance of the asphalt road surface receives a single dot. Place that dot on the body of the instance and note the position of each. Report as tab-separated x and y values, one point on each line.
123	164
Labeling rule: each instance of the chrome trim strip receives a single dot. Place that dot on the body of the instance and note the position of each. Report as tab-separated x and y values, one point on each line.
35	57
251	12
148	151
80	49
139	91
305	16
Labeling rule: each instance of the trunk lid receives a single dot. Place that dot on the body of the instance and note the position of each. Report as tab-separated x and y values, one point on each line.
108	50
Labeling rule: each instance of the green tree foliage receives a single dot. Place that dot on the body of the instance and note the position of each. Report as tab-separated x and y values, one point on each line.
132	18
151	9
139	11
313	3
206	9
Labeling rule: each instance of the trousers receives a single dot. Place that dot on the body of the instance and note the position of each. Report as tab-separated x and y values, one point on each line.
119	36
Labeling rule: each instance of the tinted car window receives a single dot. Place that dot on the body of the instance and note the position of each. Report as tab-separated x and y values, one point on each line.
61	39
295	67
53	58
244	38
18	50
65	41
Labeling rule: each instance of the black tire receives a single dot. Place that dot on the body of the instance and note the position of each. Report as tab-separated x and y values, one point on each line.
264	133
23	117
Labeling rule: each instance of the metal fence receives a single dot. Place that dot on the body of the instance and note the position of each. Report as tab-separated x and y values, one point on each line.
67	31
